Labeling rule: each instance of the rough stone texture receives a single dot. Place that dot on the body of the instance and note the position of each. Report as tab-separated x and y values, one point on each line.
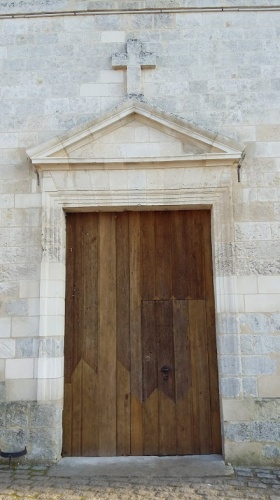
219	70
33	425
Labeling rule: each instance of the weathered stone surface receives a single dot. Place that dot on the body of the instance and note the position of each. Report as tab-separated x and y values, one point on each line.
217	69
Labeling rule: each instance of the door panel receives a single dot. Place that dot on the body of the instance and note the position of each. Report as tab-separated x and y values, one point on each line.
140	298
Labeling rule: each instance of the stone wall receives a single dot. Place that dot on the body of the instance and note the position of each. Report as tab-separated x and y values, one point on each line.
220	70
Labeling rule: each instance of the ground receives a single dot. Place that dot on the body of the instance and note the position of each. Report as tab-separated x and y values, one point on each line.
27	482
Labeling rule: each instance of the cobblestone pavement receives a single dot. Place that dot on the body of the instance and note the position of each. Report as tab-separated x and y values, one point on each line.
33	482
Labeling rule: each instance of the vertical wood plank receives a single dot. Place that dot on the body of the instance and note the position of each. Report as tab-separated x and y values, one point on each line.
89	325
147	255
211	333
135	336
150	379
183	377
180	246
167	418
89	429
67	408
123	334
77	381
163	237
107	335
200	372
67	421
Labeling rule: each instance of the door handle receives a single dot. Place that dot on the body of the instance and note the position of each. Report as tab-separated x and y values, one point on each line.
165	371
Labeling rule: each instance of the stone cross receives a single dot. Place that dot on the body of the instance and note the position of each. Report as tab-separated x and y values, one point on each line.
134	60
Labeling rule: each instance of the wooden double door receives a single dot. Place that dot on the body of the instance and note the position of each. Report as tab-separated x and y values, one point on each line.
140	354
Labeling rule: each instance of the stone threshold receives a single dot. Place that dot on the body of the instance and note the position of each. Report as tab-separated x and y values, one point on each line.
158	467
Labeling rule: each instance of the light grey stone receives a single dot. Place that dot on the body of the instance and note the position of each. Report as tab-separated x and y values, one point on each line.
27	348
7	348
229	365
2	398
16	414
272	451
258	365
231	387
250	387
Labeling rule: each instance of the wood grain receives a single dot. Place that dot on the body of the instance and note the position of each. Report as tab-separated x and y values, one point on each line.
107	335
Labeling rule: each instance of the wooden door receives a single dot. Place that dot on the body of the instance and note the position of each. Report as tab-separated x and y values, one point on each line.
140	355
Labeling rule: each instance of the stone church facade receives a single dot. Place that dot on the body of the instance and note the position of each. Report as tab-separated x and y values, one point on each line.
140	106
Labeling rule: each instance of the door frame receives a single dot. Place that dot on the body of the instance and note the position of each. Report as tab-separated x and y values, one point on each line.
57	200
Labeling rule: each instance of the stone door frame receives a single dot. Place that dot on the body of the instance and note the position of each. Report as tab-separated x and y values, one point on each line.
56	202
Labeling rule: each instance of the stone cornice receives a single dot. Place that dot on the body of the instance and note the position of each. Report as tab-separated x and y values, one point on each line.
29	8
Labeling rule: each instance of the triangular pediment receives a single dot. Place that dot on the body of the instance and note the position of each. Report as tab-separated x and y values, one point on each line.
135	133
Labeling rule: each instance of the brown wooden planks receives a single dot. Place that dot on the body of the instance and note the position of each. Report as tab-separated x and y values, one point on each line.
77	379
150	379
115	261
89	428
163	237
107	335
164	327
67	421
135	336
211	335
180	248
183	377
200	376
147	255
123	333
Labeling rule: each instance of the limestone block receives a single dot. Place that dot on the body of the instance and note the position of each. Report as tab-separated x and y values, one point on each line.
262	302
7	200
28	200
229	365
51	347
272	451
252	231
275	230
8	140
50	368
51	326
231	387
258	365
45	415
52	271
21	390
52	306
269	386
57	105
112	36
247	284
7	348
243	453
250	387
29	288
228	344
19	368
27	348
2	370
110	76
227	324
45	445
33	306
53	288
16	415
50	389
13	439
5	327
2	397
25	326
